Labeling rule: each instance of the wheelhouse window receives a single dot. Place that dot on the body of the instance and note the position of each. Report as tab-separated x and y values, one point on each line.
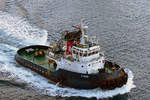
96	52
90	54
93	53
80	54
85	54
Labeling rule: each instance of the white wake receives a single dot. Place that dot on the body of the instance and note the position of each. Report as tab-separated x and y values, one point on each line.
44	87
16	32
19	32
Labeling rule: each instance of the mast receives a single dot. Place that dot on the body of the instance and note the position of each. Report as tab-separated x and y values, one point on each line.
82	31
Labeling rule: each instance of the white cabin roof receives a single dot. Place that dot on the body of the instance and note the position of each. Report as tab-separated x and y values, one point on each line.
94	48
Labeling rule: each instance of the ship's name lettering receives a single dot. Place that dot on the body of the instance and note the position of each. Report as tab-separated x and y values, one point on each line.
85	76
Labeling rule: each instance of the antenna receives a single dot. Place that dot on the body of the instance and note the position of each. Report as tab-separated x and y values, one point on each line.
82	31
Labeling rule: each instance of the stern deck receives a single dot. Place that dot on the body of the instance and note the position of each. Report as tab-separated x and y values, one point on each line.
41	61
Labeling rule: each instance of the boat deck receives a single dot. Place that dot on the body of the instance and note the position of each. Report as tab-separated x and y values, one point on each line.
41	61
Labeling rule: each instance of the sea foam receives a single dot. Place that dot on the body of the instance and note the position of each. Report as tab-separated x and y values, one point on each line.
43	86
16	30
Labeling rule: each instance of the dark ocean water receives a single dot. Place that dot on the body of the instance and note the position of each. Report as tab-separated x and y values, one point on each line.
122	27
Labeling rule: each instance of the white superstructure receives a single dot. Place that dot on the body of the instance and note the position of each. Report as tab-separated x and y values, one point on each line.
84	61
85	57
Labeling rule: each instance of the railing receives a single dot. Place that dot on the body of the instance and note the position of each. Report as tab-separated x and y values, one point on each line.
32	66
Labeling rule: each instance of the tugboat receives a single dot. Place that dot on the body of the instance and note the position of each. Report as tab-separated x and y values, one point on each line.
76	61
